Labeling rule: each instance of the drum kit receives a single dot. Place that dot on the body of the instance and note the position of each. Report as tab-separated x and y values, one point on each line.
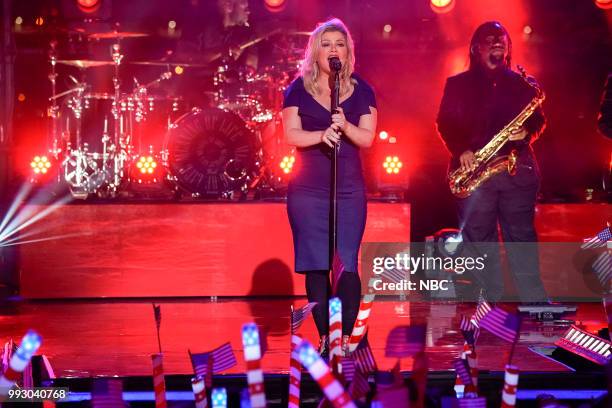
109	141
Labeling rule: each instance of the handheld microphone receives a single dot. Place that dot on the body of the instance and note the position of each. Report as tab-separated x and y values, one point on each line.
334	64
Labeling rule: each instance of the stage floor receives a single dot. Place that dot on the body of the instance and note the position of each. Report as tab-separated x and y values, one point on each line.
79	335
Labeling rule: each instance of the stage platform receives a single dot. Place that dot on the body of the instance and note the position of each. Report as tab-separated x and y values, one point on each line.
214	267
79	335
226	249
176	249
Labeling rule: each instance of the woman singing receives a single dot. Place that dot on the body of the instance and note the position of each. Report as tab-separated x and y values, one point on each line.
314	130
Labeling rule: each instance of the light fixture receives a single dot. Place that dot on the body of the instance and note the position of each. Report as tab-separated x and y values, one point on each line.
441	6
146	170
89	6
287	163
392	165
604	4
40	165
275	5
582	350
448	242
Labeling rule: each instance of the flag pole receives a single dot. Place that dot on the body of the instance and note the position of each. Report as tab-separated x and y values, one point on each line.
516	339
157	314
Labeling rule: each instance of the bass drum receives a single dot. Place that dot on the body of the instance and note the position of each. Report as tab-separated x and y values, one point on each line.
211	153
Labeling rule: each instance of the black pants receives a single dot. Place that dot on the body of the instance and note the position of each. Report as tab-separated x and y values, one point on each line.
318	289
509	201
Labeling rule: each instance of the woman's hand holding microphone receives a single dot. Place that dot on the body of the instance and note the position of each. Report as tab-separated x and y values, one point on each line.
331	135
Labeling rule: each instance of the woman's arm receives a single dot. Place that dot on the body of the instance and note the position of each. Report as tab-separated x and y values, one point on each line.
296	136
363	134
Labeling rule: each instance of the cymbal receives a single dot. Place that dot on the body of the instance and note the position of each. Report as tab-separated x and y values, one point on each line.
170	63
85	63
45	30
112	35
304	33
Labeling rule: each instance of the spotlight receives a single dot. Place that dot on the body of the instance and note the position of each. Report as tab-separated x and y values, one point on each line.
40	165
275	5
448	242
178	70
442	6
445	243
145	170
387	31
287	164
604	4
19	20
89	6
171	24
383	135
392	165
85	11
391	178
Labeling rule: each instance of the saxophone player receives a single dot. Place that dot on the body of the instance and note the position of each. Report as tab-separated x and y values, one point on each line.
475	106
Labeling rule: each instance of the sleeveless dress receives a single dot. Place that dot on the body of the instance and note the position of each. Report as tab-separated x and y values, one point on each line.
308	196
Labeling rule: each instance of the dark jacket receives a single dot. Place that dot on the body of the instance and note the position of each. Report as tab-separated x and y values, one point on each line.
477	104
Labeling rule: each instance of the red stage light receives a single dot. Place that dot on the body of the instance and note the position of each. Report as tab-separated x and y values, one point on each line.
146	167
40	165
442	6
392	165
287	164
89	6
275	5
604	4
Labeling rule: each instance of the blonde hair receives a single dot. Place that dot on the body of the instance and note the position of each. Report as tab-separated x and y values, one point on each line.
310	68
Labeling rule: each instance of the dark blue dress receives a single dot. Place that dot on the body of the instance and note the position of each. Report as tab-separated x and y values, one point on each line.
308	197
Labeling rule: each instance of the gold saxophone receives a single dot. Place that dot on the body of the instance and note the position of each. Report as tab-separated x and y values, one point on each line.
463	183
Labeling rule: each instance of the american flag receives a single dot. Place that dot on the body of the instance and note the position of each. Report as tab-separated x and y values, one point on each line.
364	358
405	341
107	393
359	386
393	275
463	371
337	271
469	330
602	266
298	316
481	310
223	358
7	351
504	325
348	368
599	240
